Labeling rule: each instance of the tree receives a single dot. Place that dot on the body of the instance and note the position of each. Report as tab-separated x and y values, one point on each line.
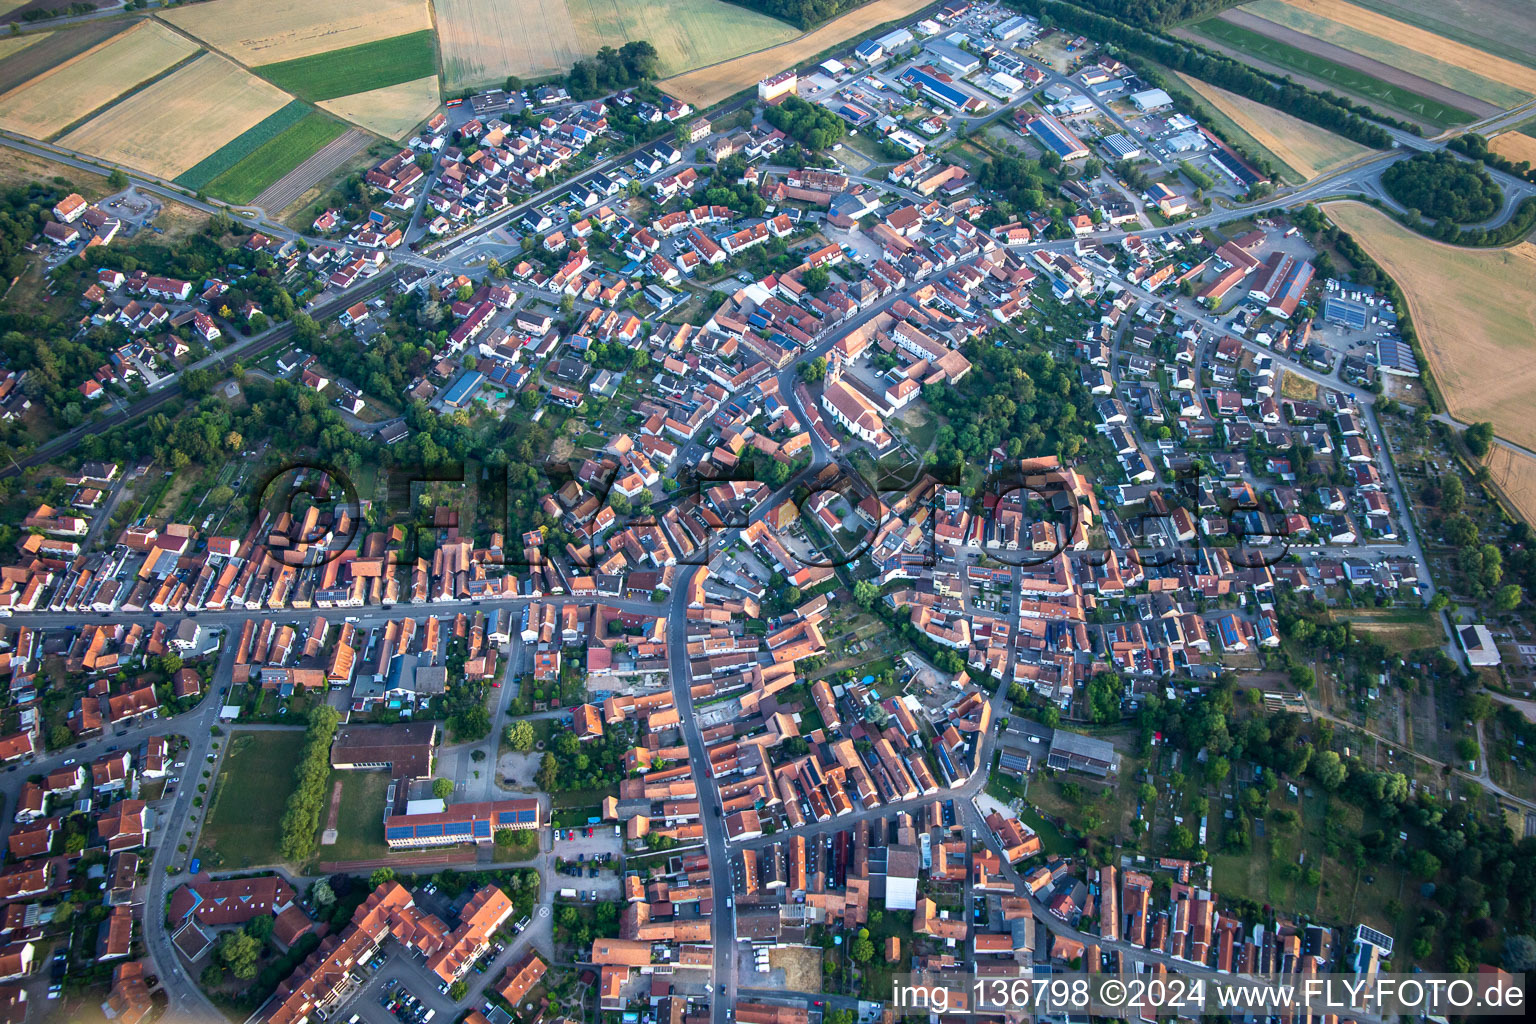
865	594
259	927
1478	438
117	180
380	876
322	894
813	370
458	990
1508	597
442	788
549	773
863	950
1104	693
520	736
240	953
1520	954
1329	770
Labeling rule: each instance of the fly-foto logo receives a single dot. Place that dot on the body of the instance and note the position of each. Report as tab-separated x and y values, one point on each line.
1017	514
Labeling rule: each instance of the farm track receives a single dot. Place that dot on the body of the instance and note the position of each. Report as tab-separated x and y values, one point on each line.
1366	65
287	189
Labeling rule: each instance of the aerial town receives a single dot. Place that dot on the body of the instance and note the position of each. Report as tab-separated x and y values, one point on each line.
779	511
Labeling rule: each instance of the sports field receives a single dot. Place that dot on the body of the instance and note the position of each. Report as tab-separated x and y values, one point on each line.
1245	42
1452	64
267	31
90	80
391	111
1515	475
1305	148
710	85
1475	311
484	41
249	797
1503	27
184	117
355	69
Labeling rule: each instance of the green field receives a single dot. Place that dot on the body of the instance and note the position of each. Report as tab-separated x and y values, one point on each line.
274	158
1345	79
354	69
360	827
242	145
251	793
1502	27
1389	52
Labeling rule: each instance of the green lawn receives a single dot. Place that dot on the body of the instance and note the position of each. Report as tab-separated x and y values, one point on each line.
1294	59
360	825
275	157
353	69
249	797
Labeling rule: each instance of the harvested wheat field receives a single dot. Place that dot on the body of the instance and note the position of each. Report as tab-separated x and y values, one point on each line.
182	118
1462	68
15	44
1304	147
1475	310
1431	44
710	85
687	34
391	111
1514	146
484	41
58	98
1515	475
258	32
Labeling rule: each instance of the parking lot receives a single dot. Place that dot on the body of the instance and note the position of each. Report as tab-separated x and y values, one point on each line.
584	850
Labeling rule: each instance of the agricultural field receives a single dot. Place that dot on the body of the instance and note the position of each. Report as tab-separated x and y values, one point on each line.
236	150
1305	148
1515	475
53	101
15	44
687	34
270	160
355	69
1468	71
1372	81
484	41
1503	27
1515	146
249	797
1475	311
257	32
1401	629
20	64
708	86
171	126
391	111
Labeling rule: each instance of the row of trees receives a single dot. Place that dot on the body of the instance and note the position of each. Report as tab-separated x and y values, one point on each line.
1476	147
803	14
313	771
